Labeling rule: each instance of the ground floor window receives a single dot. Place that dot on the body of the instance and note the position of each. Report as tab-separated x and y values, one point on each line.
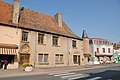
43	59
76	59
59	59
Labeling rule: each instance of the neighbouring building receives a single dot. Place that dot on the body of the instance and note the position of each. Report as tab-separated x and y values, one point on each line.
39	39
101	50
116	53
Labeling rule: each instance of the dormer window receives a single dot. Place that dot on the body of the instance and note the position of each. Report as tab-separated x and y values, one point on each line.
24	36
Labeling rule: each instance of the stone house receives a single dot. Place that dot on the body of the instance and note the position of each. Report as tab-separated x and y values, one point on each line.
37	38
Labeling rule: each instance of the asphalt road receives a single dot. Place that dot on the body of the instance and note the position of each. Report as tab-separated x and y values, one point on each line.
107	73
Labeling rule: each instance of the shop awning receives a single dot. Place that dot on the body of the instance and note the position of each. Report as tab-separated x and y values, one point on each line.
8	49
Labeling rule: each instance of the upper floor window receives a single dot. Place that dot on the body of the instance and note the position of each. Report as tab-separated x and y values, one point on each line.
73	43
41	38
54	40
108	50
24	36
98	50
103	50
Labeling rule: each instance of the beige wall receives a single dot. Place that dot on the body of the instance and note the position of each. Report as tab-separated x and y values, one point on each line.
11	35
64	45
8	35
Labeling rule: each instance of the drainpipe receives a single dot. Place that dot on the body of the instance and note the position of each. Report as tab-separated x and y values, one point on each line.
35	50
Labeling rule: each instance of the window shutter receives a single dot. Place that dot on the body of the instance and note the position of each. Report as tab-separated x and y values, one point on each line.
76	43
59	41
51	40
45	38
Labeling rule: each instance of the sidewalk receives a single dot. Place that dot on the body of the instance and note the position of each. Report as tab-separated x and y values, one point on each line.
37	71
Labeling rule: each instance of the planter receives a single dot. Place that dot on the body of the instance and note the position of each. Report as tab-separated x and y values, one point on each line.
29	68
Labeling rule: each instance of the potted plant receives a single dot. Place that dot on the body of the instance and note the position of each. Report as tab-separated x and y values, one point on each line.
27	66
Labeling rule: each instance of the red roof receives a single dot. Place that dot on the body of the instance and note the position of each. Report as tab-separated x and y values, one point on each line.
34	20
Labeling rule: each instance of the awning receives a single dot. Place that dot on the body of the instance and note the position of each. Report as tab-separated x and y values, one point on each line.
7	51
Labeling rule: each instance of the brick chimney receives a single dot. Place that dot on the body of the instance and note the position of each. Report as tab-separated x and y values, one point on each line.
16	9
58	18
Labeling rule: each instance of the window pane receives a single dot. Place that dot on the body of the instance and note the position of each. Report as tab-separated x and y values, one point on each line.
40	57
45	57
24	36
40	38
55	40
56	58
73	43
61	58
103	50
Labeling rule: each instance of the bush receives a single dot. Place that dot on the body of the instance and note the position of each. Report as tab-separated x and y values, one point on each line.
25	64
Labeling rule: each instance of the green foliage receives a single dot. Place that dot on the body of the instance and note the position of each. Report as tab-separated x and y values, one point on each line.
25	64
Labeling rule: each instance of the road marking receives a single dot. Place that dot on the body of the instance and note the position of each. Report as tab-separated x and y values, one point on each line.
78	77
64	74
71	76
95	78
57	73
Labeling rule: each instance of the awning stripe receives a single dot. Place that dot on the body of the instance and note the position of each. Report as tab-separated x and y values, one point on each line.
7	51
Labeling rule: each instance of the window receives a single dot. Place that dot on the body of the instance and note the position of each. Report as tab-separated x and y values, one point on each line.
73	43
43	59
98	50
24	36
59	58
76	59
41	38
108	50
55	40
103	50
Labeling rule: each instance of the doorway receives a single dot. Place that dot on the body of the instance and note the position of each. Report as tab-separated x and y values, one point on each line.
24	58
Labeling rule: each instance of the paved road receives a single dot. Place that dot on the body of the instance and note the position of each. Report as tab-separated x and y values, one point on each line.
108	73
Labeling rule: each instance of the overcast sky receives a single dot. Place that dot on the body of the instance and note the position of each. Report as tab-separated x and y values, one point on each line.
100	18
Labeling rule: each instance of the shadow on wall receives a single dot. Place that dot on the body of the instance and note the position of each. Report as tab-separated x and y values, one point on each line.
106	75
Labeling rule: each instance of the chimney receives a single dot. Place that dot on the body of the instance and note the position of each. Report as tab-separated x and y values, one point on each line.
58	18
16	9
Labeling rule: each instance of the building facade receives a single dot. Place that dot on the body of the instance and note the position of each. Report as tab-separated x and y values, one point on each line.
101	51
116	53
37	38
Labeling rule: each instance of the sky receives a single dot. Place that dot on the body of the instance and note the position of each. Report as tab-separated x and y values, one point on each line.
100	18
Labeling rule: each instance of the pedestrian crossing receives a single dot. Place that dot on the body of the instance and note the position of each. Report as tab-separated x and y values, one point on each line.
72	76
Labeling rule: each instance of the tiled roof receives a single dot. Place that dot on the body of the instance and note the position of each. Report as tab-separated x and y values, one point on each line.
97	39
34	20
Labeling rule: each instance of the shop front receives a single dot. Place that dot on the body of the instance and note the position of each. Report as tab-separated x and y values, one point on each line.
8	56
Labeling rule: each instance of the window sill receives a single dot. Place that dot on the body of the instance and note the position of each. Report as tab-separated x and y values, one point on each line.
59	63
56	45
74	47
43	63
25	41
41	44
